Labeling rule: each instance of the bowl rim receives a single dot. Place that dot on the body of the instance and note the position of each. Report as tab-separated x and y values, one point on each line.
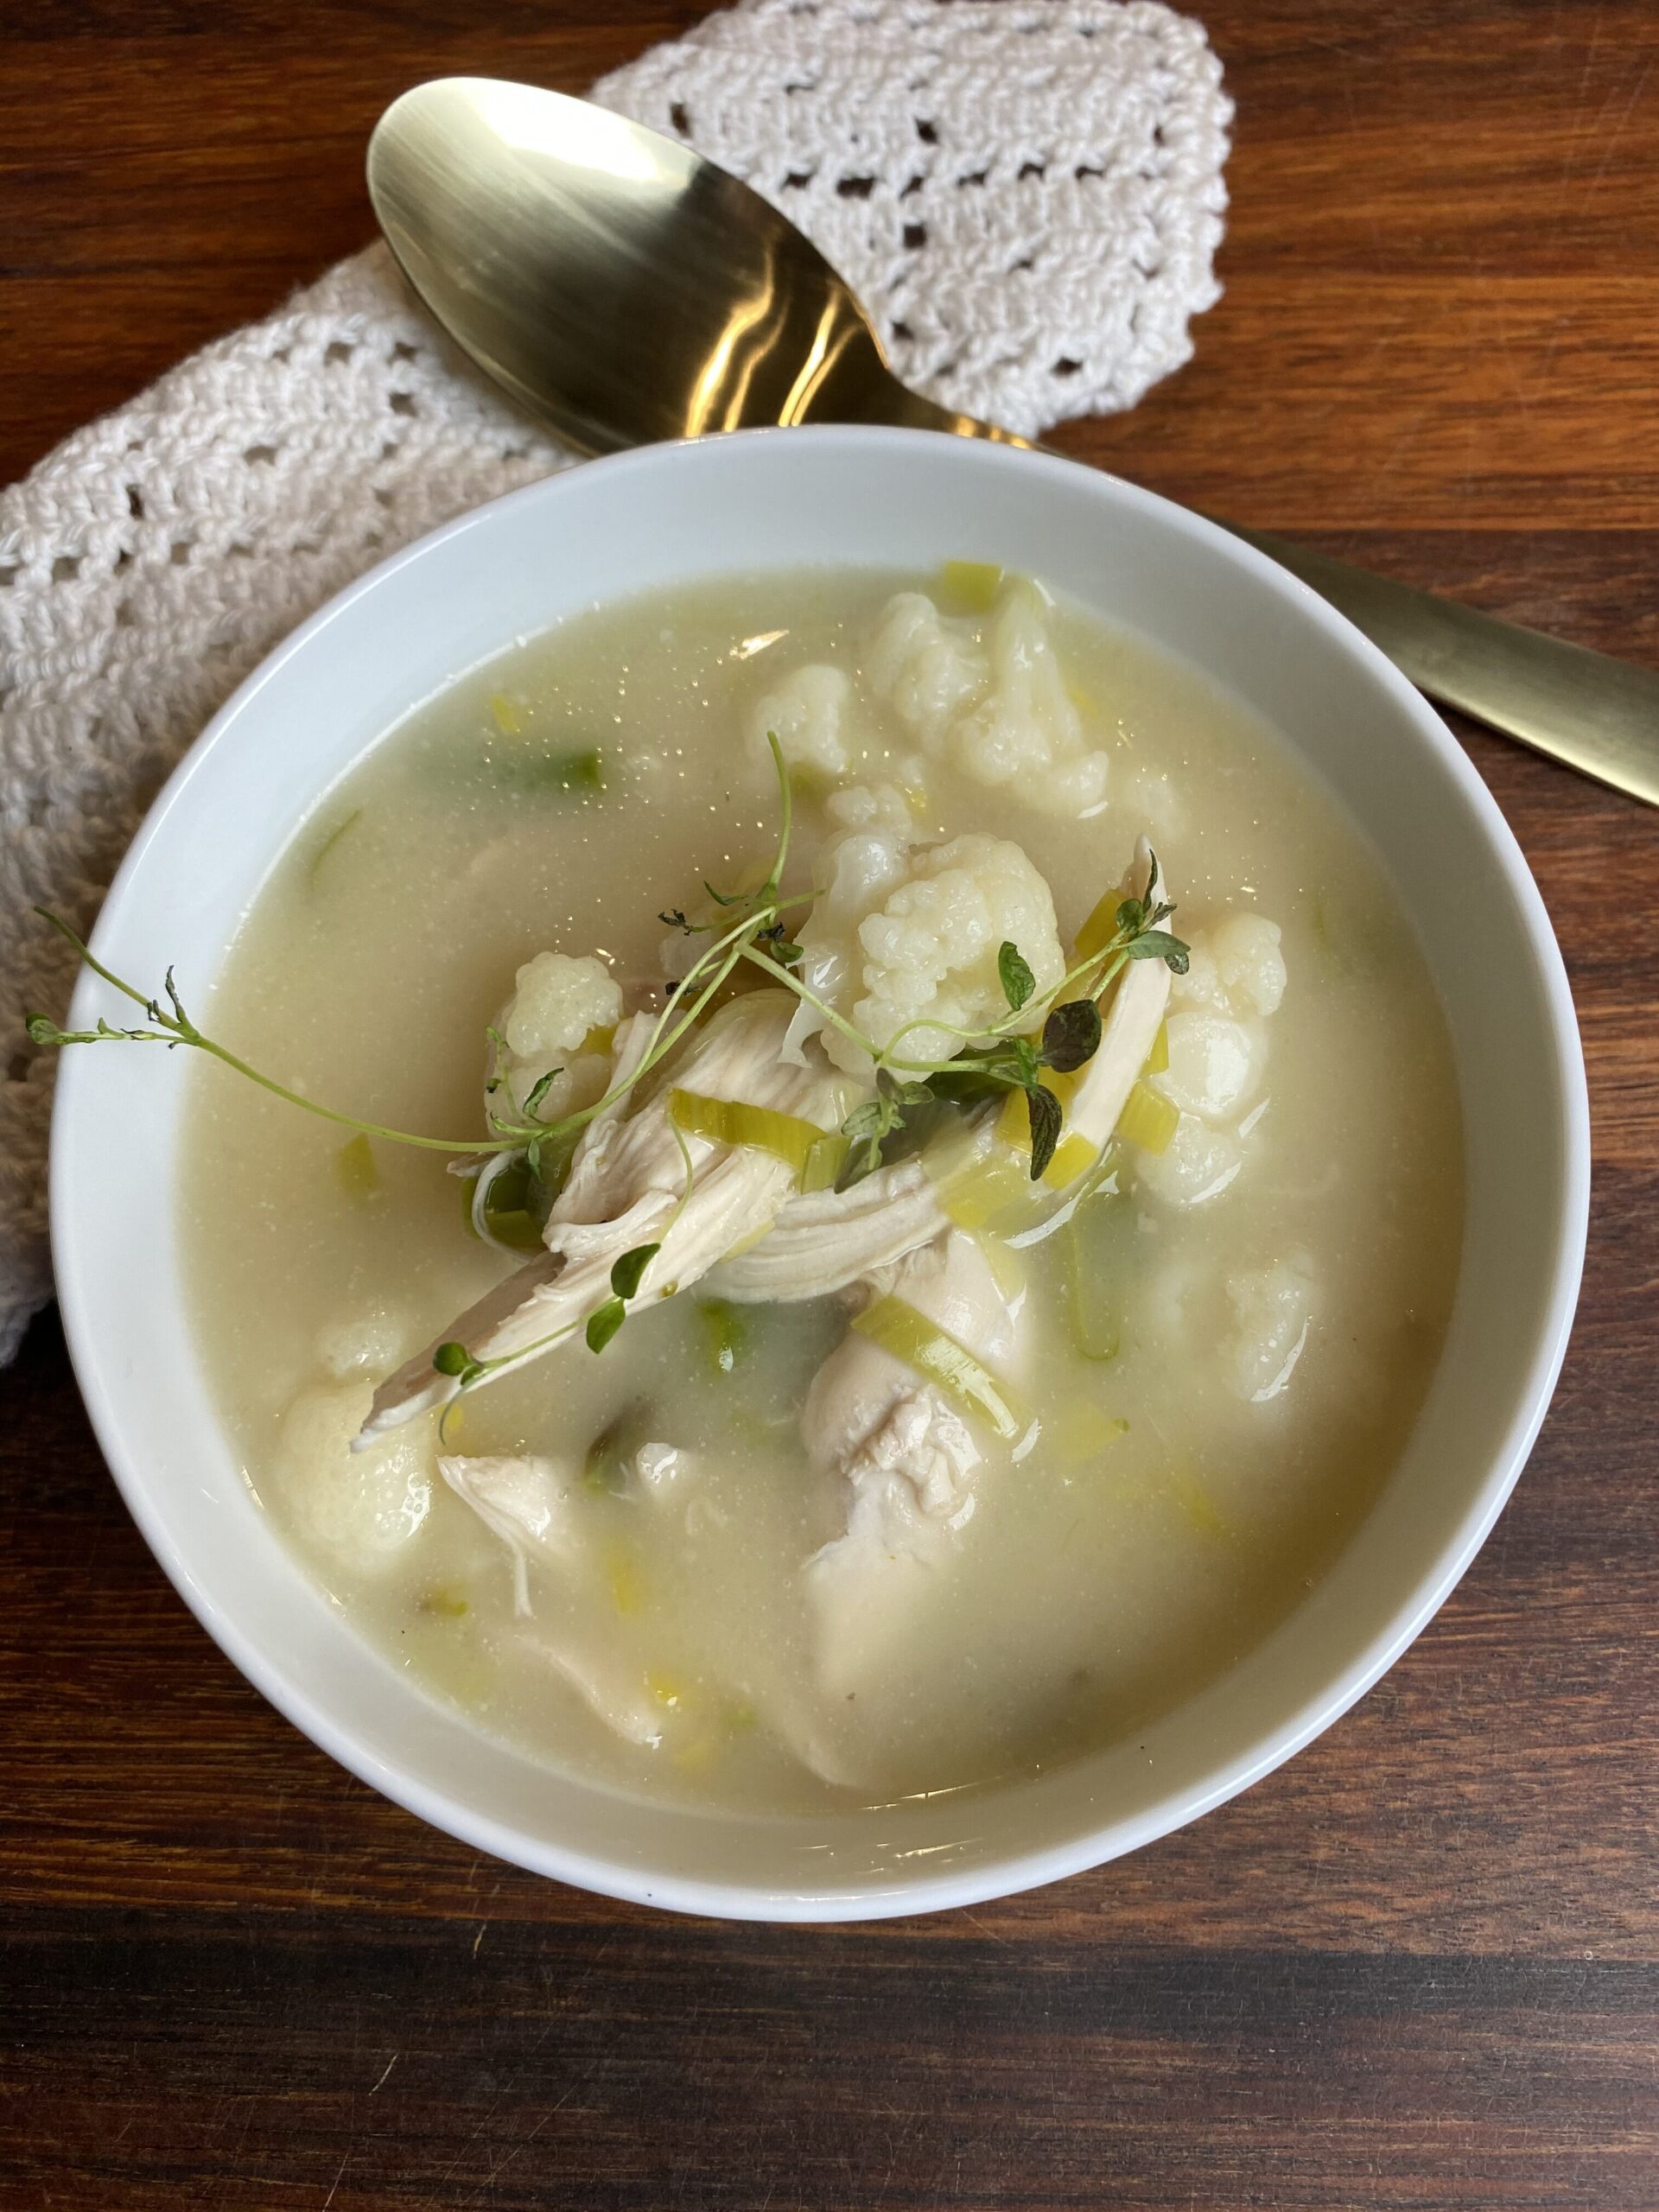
1112	1838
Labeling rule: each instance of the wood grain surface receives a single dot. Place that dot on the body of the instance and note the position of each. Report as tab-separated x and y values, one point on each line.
1418	1967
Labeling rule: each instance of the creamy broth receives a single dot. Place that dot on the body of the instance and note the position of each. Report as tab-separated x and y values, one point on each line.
1259	1356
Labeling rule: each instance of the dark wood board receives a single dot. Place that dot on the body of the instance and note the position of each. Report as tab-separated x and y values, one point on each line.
1418	1968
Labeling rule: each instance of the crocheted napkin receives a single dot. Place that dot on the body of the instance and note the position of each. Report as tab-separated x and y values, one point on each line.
1026	197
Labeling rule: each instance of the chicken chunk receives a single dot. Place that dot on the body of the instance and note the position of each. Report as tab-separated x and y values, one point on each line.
903	1458
1130	1029
624	1706
824	1241
532	1502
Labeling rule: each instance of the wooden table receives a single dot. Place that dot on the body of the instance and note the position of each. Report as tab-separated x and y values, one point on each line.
1418	1967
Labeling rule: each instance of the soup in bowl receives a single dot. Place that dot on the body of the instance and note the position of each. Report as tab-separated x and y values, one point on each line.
847	1232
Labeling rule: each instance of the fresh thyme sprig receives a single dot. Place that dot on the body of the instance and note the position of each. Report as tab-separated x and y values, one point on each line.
749	927
1004	1055
175	1027
524	1132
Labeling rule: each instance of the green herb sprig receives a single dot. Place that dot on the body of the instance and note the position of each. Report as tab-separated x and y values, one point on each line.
1003	1055
755	912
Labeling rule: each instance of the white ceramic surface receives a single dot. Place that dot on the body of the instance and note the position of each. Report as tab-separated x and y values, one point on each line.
615	527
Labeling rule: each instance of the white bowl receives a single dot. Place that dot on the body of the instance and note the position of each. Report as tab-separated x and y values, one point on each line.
787	499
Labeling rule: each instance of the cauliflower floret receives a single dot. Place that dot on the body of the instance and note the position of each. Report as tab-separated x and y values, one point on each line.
363	1507
1028	733
1217	1057
807	712
1250	962
906	934
558	1002
926	667
1237	967
1001	711
1215	1063
1198	1163
857	872
370	1342
870	806
1272	1310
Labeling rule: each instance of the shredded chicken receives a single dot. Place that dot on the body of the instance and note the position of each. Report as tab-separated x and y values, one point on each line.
626	1182
824	1241
627	1178
1129	1032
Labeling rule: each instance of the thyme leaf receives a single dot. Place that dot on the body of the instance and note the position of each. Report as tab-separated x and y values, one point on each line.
1043	1114
604	1322
1072	1035
538	1091
1014	972
627	1274
1159	944
453	1359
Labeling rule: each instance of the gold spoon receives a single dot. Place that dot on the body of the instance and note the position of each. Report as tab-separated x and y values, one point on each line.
624	291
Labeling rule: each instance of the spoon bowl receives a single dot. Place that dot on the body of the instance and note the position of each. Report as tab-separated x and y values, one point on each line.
622	288
626	291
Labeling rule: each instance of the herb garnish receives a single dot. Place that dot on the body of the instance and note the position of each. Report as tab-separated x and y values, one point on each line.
1001	1057
625	1277
749	926
1014	972
524	1131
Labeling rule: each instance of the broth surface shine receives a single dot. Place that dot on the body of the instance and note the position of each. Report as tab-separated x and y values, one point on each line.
1183	1493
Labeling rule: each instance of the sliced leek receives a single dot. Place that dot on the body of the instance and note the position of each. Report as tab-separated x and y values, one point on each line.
626	1585
824	1161
1148	1119
1158	1058
355	1171
980	1190
1073	1156
502	1206
726	1332
910	1337
734	1121
1196	1504
1100	927
973	584
1084	1431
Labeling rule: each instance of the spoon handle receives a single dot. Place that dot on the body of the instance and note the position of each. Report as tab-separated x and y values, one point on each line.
1595	714
1598	715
